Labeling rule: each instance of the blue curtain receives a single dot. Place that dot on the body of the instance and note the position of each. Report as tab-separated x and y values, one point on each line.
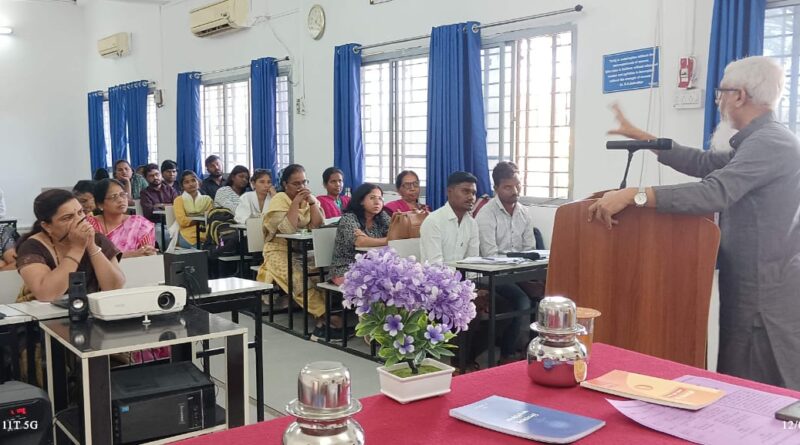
348	148
737	30
263	78
456	127
136	116
188	139
97	140
116	118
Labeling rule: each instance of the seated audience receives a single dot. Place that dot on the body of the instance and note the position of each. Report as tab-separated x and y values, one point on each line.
169	175
132	183
8	253
290	210
84	193
229	196
256	203
190	203
450	233
333	202
157	195
505	225
407	184
132	234
100	173
63	241
363	224
214	180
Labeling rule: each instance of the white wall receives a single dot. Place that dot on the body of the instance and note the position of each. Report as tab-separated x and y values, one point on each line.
43	118
164	47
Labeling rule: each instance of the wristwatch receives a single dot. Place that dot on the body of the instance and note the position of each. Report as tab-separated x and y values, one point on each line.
640	198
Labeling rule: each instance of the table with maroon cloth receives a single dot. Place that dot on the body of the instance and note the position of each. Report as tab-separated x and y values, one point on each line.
428	421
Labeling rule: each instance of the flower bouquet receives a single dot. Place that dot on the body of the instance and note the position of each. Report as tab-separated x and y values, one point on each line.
412	310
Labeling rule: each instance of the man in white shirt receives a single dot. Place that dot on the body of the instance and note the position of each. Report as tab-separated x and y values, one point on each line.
506	226
450	233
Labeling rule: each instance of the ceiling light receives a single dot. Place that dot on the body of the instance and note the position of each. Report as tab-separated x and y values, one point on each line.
6	30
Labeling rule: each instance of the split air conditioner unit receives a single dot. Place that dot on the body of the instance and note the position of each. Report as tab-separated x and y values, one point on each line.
117	45
220	16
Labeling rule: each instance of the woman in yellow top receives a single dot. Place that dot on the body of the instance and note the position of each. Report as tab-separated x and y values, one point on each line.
190	203
293	209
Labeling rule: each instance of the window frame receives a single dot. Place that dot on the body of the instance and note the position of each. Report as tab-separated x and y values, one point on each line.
243	74
493	41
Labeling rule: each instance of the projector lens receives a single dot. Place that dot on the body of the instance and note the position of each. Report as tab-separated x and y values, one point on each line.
166	301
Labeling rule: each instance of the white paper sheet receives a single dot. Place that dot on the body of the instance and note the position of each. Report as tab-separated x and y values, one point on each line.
742	416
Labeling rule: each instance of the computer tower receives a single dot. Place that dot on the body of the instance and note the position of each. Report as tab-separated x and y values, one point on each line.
152	402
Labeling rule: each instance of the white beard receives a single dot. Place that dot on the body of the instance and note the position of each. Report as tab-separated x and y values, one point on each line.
721	139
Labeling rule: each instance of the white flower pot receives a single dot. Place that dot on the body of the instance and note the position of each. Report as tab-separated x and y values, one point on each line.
415	387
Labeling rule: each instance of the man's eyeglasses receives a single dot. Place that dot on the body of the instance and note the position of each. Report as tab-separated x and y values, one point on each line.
299	184
410	185
116	196
719	91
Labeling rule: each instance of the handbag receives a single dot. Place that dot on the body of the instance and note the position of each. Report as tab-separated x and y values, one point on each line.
405	225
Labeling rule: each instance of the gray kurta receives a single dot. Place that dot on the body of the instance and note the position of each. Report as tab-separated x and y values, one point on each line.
756	189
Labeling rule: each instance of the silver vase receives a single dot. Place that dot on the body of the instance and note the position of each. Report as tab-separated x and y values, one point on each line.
556	357
323	408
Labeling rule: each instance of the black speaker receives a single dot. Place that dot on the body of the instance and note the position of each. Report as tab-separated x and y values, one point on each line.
78	302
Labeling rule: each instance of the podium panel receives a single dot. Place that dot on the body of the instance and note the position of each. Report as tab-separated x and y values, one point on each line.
650	276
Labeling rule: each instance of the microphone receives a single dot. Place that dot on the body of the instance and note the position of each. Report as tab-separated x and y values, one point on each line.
653	144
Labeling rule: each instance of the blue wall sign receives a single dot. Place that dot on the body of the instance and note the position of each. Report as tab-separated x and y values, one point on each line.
630	70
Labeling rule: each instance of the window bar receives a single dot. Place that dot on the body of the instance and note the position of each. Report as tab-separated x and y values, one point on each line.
501	103
527	107
517	111
795	61
393	113
554	75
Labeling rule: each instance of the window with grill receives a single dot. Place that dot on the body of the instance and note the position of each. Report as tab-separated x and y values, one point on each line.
527	89
782	41
225	117
152	132
394	109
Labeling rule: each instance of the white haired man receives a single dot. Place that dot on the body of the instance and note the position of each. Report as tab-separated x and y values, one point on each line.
756	188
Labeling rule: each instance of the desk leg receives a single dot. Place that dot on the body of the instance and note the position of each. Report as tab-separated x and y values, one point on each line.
30	340
241	253
163	233
56	377
96	375
492	315
206	358
305	289
258	337
236	406
289	282
181	353
197	232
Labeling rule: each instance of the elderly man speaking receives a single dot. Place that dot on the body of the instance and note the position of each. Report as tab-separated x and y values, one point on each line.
755	185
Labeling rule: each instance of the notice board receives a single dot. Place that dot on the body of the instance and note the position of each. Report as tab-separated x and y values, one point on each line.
630	70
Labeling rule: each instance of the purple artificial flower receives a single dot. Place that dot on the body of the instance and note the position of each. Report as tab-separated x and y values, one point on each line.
434	334
406	347
393	325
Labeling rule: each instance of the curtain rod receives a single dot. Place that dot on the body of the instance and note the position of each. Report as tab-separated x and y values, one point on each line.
285	59
475	28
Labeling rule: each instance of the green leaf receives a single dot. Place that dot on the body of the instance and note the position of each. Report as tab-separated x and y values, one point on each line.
410	329
446	353
435	353
419	357
391	361
385	353
415	317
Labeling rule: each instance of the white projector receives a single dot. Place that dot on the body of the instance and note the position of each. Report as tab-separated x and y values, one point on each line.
136	302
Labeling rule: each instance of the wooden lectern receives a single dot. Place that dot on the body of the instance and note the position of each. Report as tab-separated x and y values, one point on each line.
650	276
